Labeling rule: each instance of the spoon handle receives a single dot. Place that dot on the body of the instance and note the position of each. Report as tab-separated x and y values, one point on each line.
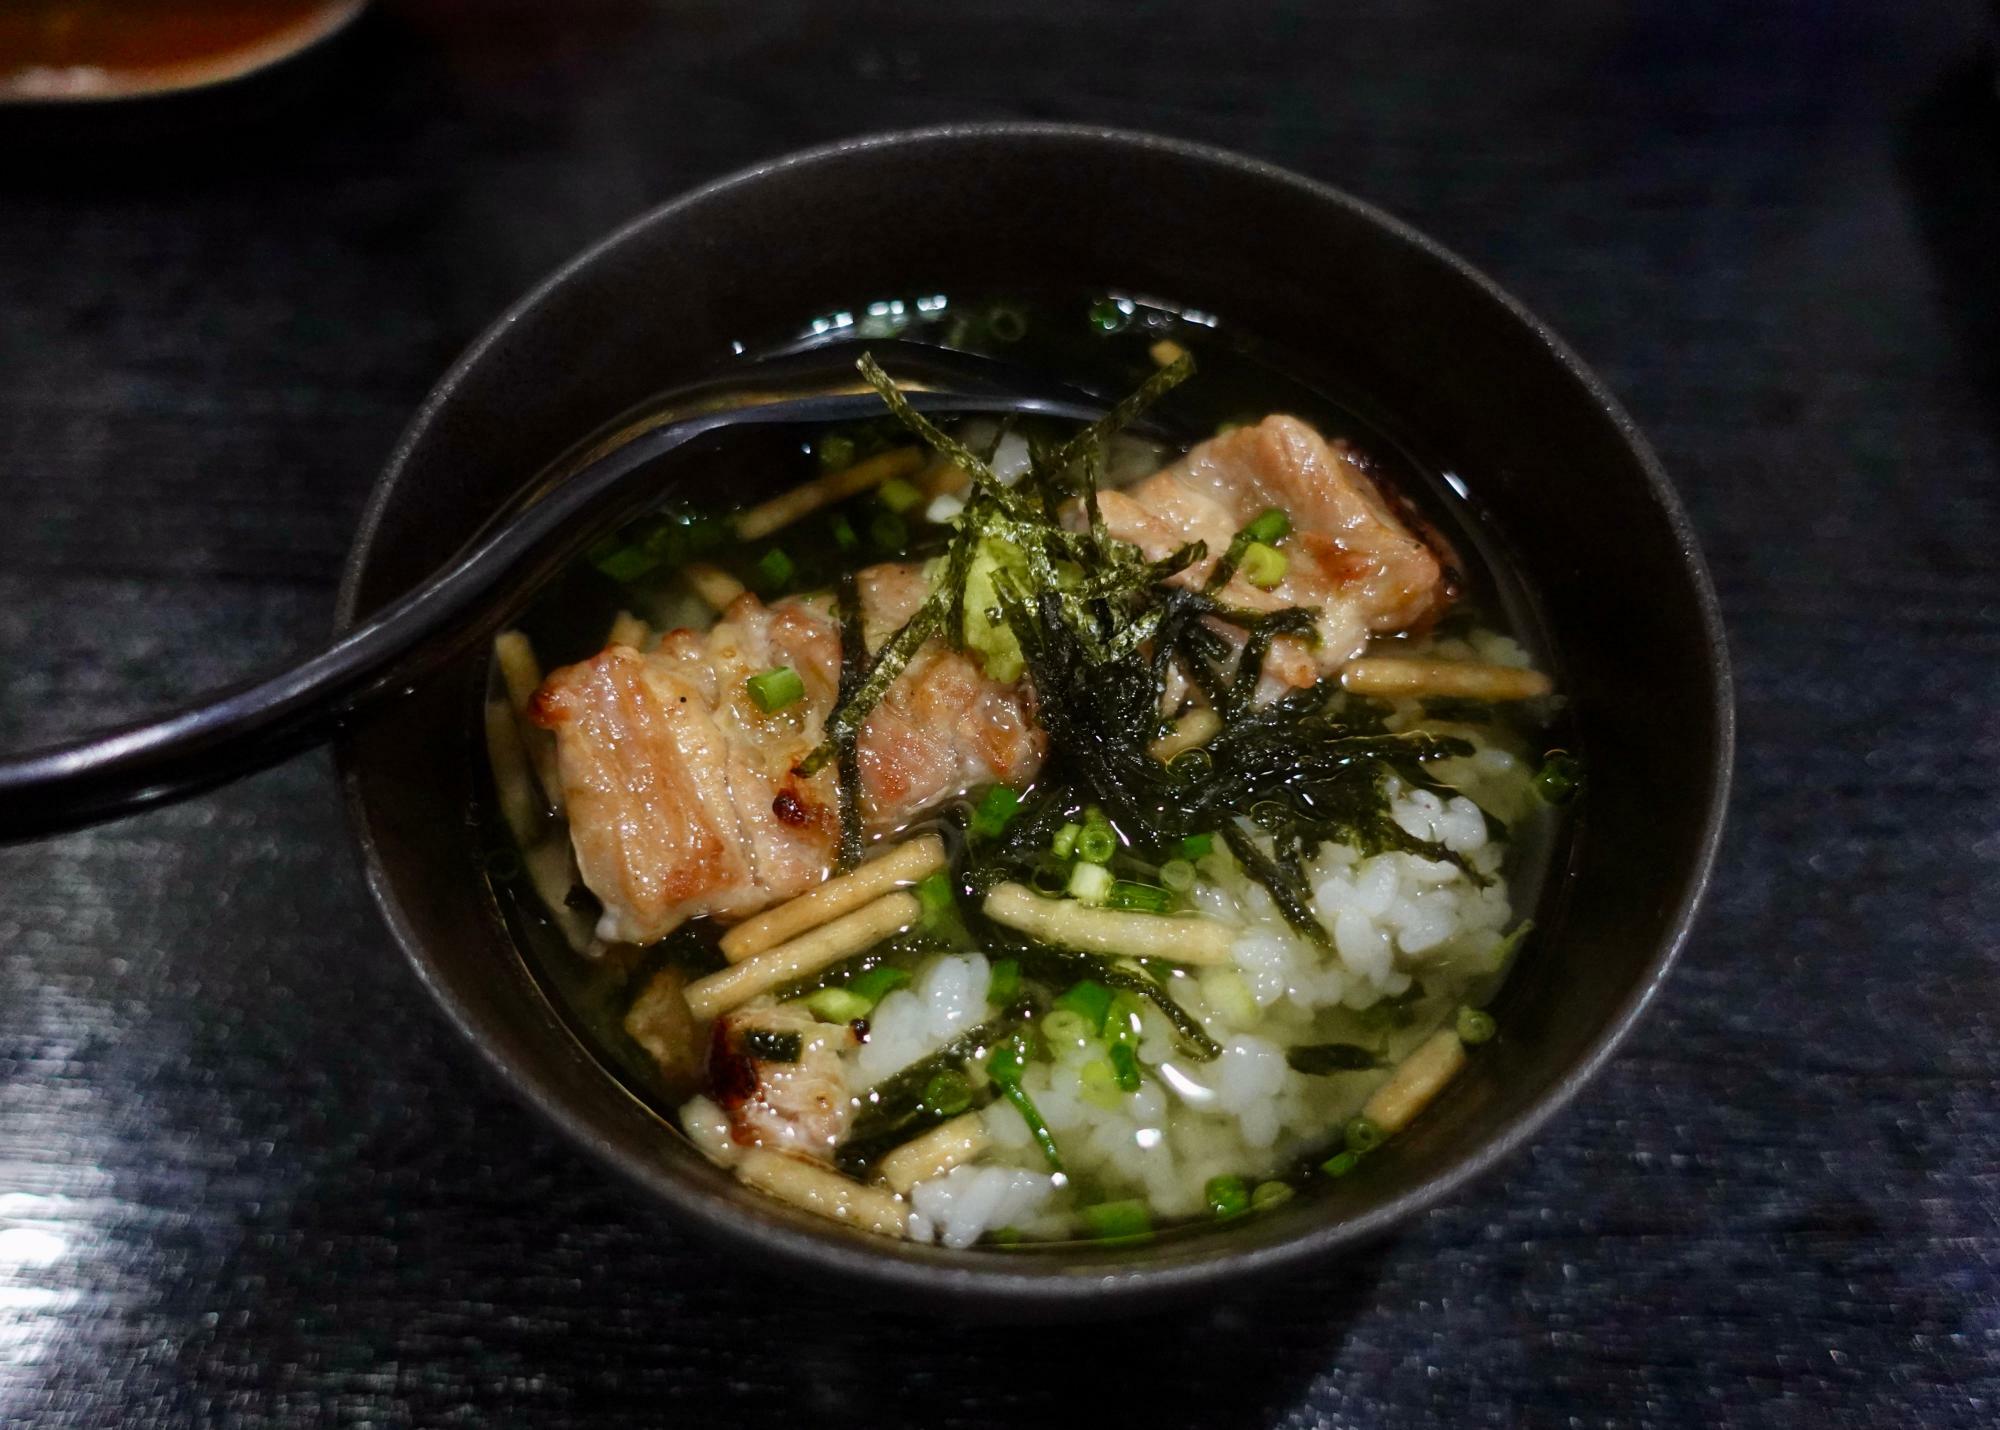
244	728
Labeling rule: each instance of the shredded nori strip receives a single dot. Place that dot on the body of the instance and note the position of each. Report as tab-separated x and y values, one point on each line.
1125	413
1320	1059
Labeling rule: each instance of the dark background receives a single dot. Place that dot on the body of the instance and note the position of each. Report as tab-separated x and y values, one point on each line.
247	1175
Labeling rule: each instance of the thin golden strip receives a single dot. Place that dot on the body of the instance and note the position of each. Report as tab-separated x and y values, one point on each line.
629	630
521	673
1111	932
716	588
904	864
553	875
732	987
520	804
824	1193
1194	729
802	501
1417	1079
1390	675
949	1144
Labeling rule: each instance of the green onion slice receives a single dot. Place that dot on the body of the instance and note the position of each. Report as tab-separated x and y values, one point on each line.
1117	1221
774	571
775	689
878	983
995	811
1271	526
1227	1196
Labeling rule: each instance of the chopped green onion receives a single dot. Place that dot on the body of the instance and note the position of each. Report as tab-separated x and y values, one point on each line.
1007	324
1051	876
1178	875
838	1005
1003	981
889	531
774	571
1231	997
1117	1221
936	895
836	451
1505	948
1197	845
1226	1197
844	534
1099	1085
767	1046
1125	1063
948	1093
1559	778
1192	765
1004	1067
1089	883
878	983
1263	566
995	810
1110	316
1122	1023
1064	843
1065	1027
1361	1135
1270	1194
1223	429
899	495
1089	1000
775	689
1144	898
623	562
1271	526
1097	841
1340	1164
1475	1025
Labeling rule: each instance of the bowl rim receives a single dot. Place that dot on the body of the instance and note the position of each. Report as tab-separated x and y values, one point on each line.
1049	1281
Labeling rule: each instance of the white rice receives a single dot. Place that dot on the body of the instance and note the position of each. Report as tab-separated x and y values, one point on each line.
1247	1113
967	1202
948	997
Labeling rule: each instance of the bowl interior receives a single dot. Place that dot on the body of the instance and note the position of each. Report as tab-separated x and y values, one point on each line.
1377	310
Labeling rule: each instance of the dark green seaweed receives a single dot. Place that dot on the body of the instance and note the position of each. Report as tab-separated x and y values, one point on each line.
1320	1059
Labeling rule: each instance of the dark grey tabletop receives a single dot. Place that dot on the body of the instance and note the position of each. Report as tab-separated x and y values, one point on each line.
248	1176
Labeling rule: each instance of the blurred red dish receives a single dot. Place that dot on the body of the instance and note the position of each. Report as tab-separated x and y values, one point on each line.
55	51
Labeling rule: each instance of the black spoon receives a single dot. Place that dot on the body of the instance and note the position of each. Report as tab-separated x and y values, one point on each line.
247	727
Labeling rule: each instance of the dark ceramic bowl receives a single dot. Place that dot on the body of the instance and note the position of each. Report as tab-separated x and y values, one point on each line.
1497	398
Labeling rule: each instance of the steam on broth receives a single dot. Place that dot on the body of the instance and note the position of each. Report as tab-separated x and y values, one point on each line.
1004	833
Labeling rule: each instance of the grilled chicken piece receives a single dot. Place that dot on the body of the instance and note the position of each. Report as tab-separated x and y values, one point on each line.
1349	554
796	1106
944	727
680	791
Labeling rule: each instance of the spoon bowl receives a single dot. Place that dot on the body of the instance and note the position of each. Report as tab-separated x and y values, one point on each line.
247	727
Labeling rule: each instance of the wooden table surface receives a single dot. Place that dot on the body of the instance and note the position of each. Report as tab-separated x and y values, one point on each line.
249	1177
